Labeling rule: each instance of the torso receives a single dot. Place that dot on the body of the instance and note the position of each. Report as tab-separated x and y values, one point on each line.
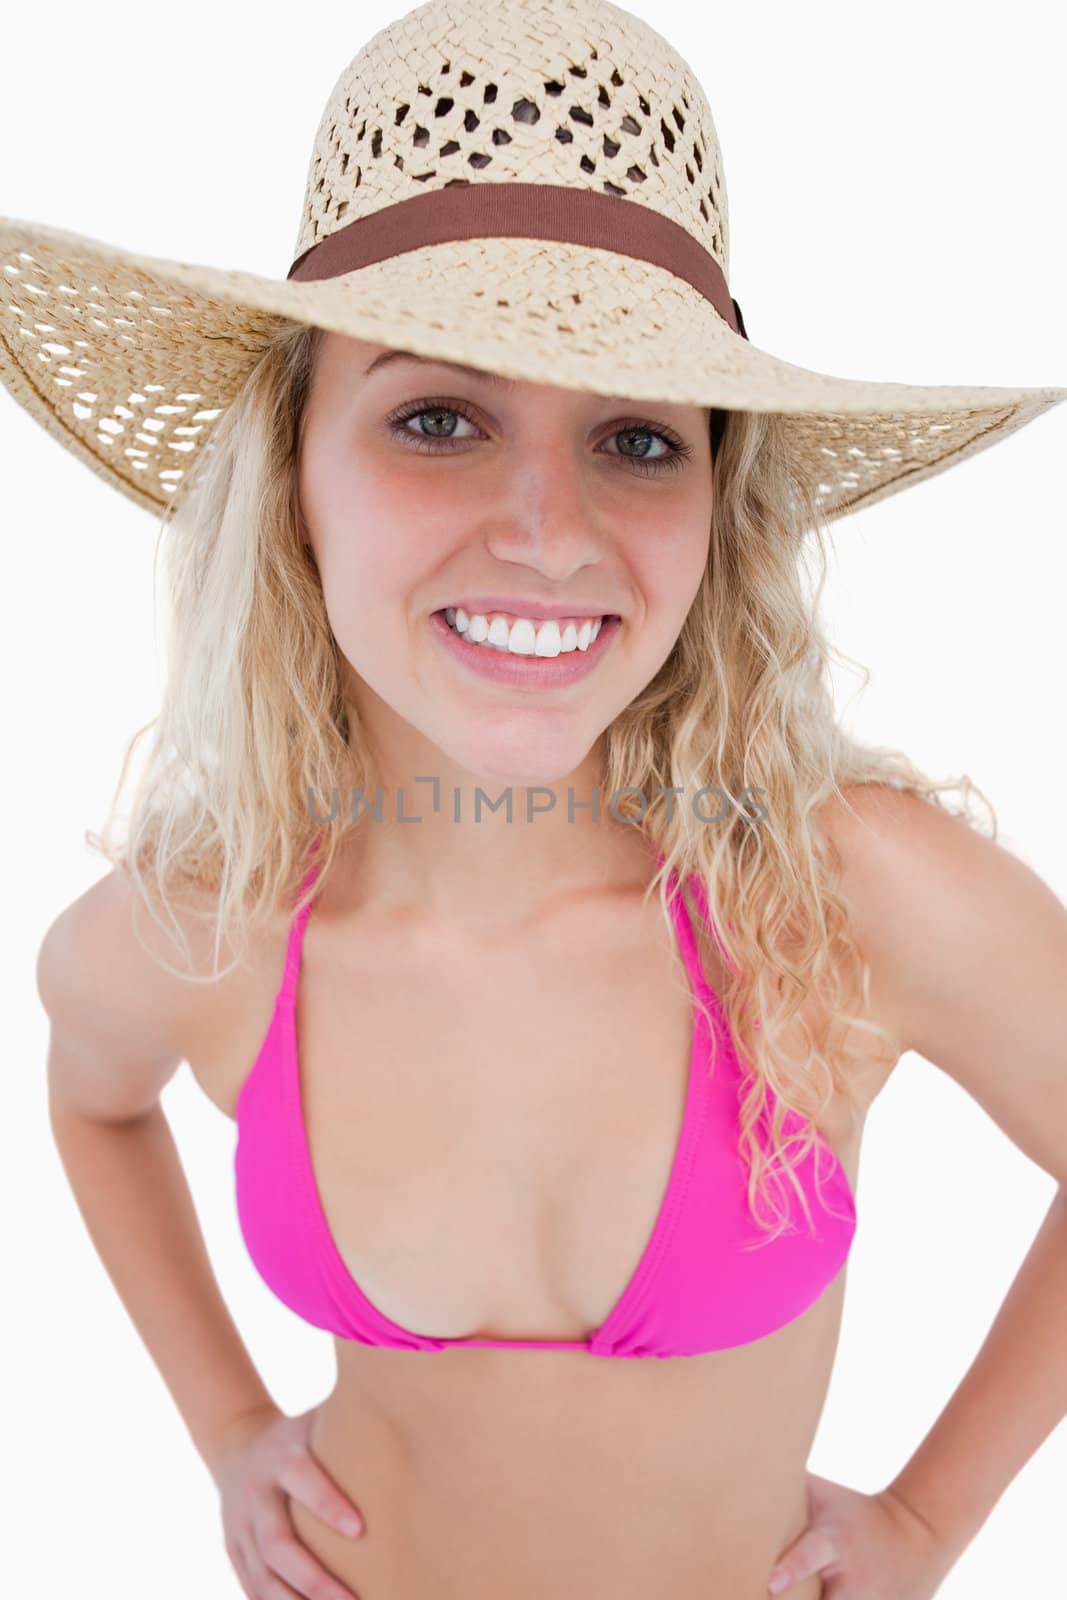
514	1205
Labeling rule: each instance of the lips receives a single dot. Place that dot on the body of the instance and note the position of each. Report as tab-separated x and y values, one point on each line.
528	673
511	607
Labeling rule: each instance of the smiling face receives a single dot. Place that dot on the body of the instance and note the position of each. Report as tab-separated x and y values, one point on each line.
505	489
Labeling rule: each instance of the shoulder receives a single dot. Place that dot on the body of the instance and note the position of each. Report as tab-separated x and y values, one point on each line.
118	1017
923	889
894	842
868	820
971	945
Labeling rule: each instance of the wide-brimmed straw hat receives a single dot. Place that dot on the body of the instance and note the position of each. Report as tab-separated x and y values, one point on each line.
534	188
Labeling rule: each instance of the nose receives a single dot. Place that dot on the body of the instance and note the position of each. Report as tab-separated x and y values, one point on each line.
551	518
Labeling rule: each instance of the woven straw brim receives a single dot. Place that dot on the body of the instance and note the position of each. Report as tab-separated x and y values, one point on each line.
129	360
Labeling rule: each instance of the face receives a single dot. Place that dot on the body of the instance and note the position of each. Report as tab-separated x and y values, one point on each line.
506	491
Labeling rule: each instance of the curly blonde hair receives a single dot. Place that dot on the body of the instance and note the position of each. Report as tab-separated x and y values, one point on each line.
254	723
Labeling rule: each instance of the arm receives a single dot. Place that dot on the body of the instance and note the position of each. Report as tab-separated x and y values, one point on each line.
1008	1402
968	949
114	1023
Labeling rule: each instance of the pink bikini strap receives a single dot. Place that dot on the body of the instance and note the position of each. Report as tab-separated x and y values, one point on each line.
684	930
700	896
296	932
699	893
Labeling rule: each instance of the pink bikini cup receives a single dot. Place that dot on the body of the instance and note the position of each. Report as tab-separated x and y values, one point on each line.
706	1280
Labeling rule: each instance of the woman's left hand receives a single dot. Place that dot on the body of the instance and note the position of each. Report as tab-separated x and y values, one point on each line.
866	1546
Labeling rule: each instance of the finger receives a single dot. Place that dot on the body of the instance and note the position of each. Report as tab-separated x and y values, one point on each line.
264	1584
305	1480
240	1566
813	1551
285	1558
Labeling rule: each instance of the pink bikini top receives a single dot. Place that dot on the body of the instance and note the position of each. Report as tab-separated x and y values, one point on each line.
696	1287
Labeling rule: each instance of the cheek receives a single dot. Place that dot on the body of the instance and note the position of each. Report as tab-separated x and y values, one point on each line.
363	532
376	574
669	562
695	567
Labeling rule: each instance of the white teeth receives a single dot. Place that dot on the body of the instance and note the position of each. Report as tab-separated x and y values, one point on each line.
524	637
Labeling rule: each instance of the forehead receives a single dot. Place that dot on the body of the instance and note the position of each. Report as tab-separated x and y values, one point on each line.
390	358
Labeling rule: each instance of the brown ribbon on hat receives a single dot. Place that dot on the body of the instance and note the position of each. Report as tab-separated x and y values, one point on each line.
521	211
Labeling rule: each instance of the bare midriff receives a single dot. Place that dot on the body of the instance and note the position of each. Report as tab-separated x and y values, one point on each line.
545	1475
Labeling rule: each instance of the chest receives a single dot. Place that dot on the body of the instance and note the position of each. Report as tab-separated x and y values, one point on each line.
492	1135
491	1146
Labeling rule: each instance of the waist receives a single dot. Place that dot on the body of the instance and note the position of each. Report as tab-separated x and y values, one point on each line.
553	1475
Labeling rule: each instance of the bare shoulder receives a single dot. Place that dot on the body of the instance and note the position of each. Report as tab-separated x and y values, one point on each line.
971	946
886	837
118	1018
903	863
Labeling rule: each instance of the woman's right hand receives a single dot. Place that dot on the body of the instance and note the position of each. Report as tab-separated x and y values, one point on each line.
264	1460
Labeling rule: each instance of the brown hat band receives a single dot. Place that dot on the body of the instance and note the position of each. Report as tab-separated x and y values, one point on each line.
521	211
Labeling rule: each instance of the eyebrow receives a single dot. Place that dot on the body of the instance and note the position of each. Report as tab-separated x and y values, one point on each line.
433	361
494	378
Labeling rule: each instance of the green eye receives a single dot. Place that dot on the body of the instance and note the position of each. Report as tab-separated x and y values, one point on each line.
436	445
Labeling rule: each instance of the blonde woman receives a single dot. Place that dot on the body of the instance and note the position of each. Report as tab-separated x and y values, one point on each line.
499	865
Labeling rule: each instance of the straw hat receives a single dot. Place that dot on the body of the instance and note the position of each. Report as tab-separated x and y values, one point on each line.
534	188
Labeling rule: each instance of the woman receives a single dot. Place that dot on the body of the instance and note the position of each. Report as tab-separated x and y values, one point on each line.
598	1159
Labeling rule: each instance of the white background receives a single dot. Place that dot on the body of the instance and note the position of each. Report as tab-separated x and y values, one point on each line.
895	188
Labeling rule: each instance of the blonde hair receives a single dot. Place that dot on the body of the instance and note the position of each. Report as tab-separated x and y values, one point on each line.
254	723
